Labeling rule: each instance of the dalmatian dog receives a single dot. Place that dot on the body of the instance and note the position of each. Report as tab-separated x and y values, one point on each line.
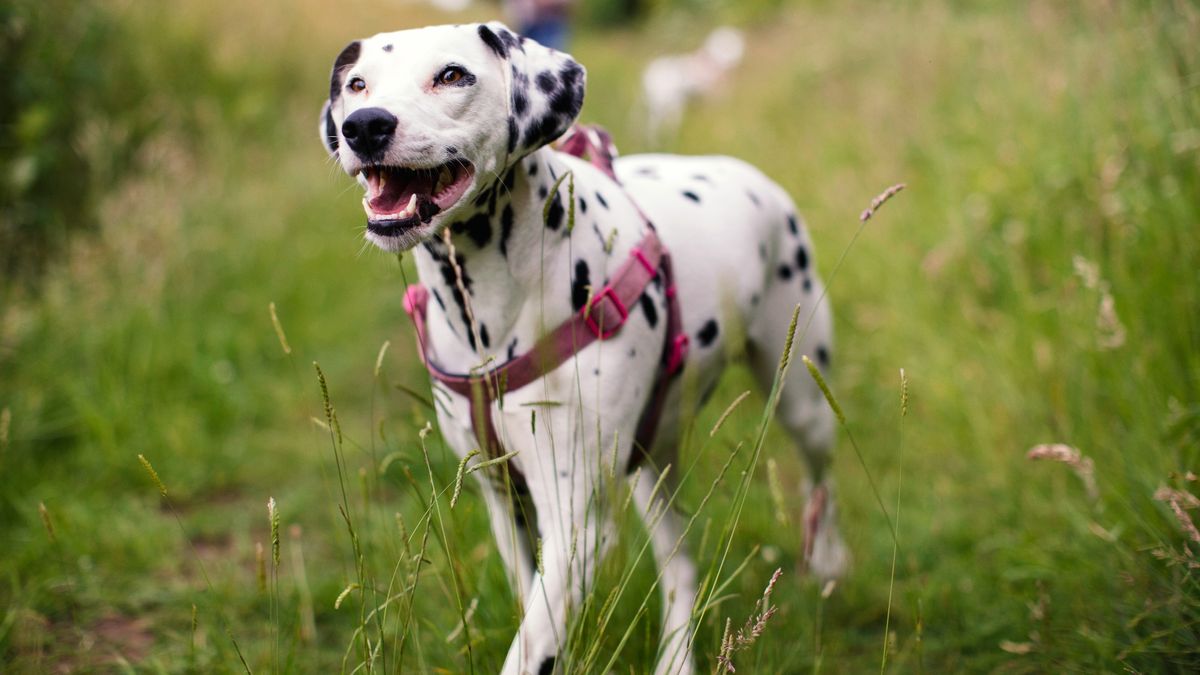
448	131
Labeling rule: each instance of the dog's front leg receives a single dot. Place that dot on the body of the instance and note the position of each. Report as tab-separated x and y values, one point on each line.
563	487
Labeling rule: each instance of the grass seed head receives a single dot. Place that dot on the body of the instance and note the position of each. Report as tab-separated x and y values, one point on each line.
45	514
820	379
283	342
728	411
880	201
324	393
1083	466
1179	501
273	515
379	359
458	476
162	489
337	604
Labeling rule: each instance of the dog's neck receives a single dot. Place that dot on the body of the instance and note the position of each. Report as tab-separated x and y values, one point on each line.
503	251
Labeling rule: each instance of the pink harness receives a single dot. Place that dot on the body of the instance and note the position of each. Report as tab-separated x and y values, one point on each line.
600	319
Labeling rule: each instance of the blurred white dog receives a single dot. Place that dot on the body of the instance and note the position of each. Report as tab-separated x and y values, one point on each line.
670	81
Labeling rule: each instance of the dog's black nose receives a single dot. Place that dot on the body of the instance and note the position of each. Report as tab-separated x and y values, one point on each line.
369	131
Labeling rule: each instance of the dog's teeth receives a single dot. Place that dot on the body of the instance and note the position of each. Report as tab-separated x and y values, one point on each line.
412	204
382	181
367	207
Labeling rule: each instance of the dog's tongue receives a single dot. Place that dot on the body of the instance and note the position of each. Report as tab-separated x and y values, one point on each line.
392	190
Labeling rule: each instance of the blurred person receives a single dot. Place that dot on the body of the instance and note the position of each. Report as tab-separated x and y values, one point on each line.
545	21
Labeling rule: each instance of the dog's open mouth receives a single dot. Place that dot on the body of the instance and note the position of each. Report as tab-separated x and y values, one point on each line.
399	198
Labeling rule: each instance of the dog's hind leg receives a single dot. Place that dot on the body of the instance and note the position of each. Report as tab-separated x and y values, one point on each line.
803	411
677	584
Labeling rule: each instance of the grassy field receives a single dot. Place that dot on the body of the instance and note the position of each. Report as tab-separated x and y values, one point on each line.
1038	281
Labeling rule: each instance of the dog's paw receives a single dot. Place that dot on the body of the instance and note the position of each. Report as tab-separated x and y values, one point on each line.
825	554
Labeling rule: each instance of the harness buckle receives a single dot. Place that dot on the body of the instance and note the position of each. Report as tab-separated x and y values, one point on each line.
589	316
679	352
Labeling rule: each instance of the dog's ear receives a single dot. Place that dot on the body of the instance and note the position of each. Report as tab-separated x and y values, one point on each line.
546	88
327	128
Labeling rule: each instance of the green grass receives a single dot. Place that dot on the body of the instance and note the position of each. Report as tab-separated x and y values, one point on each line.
1028	137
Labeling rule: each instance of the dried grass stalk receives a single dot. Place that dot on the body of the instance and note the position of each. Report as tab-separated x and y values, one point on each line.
754	627
880	201
1180	501
1065	454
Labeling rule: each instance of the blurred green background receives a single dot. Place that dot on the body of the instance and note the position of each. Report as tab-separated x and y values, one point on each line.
161	183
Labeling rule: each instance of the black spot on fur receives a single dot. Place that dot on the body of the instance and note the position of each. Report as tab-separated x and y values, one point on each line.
753	198
512	133
632	352
520	101
755	299
600	198
647	171
546	81
478	228
707	333
692	196
506	226
554	217
484	196
533	168
437	297
582	205
807	285
547	667
541	131
571	74
564	102
702	178
510	41
802	258
822	356
387	48
512	349
450	280
579	286
451	150
648	307
341	64
331	136
483	336
494	43
793	226
509	179
785	272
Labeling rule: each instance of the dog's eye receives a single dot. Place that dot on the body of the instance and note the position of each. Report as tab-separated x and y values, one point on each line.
356	84
451	75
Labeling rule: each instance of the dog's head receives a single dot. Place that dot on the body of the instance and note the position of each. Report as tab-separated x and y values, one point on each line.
427	118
